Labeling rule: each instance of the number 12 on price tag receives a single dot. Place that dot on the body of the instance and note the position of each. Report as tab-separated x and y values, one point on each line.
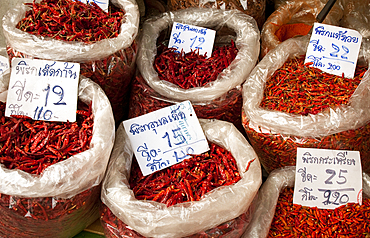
327	179
43	90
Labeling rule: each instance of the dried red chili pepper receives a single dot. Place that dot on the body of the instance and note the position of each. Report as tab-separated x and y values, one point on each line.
189	70
301	97
115	228
290	220
144	99
48	216
32	146
71	20
188	180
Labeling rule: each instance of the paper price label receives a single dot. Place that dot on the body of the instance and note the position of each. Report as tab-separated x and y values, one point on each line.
165	137
4	64
327	179
192	38
103	4
334	49
43	90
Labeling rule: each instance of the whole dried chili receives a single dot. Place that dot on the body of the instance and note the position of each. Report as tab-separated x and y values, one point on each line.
189	70
48	216
295	91
253	8
32	146
188	180
71	20
115	228
290	220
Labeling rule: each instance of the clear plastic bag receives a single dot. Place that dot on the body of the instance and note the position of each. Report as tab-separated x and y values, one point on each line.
268	196
153	219
276	135
356	15
64	199
298	17
109	62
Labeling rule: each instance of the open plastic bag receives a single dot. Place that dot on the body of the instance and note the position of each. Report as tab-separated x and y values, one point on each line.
297	17
276	135
153	219
253	8
109	62
268	196
64	199
356	15
220	99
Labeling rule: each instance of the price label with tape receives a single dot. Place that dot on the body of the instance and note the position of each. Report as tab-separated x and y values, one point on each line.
188	38
327	179
165	137
103	4
334	49
4	64
43	90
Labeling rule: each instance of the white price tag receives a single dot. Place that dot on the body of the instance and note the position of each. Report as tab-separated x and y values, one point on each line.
327	179
4	64
103	4
334	49
165	137
43	90
192	38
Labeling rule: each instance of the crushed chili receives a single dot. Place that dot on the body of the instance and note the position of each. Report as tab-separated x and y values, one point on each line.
287	31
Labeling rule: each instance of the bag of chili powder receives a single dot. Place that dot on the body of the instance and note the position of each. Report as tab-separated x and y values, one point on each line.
253	8
110	62
293	18
274	206
64	198
125	215
220	98
331	112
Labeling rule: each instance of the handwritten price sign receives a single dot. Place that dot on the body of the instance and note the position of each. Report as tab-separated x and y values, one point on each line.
4	64
334	49
165	137
103	4
43	90
192	38
327	179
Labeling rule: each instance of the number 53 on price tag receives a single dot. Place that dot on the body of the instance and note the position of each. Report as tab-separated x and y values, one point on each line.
43	90
327	179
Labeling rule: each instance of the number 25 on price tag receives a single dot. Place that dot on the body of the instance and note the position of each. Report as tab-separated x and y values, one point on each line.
327	179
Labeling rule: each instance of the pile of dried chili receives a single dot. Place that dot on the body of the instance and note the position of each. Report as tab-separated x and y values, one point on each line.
69	20
48	216
290	220
115	228
32	146
298	89
190	70
253	8
188	180
72	20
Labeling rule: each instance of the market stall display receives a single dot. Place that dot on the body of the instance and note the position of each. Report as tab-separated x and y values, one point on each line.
50	172
219	99
103	43
276	215
228	205
276	130
253	8
294	18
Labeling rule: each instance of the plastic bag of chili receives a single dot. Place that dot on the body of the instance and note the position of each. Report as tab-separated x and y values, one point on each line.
275	200
220	99
64	198
276	133
293	18
253	8
146	218
110	62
